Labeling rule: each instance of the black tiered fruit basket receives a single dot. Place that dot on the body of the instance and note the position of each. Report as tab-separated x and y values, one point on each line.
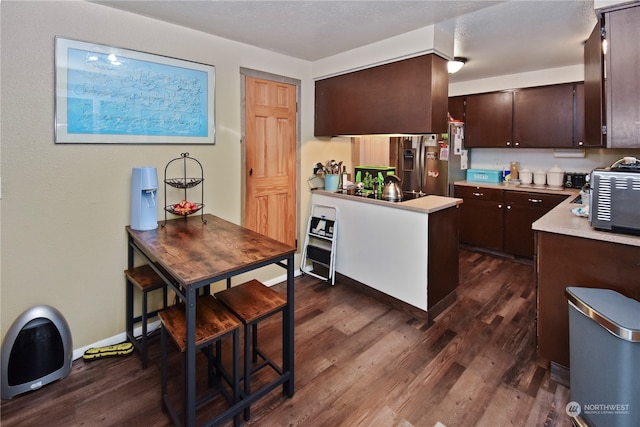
185	183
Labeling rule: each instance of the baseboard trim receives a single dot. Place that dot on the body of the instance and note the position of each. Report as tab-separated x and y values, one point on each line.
116	339
442	305
384	298
559	374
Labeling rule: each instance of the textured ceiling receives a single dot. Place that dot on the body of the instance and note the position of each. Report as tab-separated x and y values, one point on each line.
498	37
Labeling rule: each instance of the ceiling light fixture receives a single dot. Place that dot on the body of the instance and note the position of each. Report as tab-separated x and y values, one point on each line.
456	64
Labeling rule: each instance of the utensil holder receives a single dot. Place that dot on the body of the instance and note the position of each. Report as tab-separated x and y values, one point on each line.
331	182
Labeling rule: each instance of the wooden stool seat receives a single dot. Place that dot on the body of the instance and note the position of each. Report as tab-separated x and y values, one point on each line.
252	302
213	322
146	280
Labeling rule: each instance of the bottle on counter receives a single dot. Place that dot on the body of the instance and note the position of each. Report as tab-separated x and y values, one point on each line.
513	170
344	178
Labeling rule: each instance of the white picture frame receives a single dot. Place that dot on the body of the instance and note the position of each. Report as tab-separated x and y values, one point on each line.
105	94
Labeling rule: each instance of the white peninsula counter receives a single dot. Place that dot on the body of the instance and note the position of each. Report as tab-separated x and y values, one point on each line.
406	250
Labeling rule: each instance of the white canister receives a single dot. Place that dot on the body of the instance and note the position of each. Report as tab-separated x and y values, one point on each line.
539	177
555	177
526	176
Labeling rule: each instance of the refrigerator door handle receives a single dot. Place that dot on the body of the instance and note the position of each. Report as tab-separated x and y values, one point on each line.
422	170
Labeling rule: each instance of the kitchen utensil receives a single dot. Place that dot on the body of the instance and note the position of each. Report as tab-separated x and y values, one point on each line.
391	190
539	177
526	176
333	167
555	177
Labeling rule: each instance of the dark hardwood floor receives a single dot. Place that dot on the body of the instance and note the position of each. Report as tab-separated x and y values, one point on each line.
358	362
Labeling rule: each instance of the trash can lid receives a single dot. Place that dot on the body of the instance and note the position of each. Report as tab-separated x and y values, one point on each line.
613	311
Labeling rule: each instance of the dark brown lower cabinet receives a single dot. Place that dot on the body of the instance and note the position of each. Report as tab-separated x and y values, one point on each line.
521	210
564	261
481	216
443	262
501	220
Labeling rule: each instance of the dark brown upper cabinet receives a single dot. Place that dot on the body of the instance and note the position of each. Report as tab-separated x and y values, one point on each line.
535	117
456	107
612	85
580	139
594	89
622	84
543	117
489	119
408	96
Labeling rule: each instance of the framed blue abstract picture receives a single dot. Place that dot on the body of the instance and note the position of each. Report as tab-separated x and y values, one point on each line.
112	95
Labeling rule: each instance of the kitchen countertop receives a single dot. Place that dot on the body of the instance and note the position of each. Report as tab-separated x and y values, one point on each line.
427	204
560	220
522	187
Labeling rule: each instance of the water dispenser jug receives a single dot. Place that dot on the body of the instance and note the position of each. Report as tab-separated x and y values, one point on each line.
144	188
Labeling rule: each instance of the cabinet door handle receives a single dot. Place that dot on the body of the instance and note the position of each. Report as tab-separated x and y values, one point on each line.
517	144
508	143
500	206
509	207
535	200
478	194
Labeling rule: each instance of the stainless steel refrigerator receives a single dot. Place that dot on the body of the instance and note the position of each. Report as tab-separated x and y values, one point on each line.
430	164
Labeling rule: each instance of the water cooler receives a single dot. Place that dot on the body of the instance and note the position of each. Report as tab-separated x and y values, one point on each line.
144	189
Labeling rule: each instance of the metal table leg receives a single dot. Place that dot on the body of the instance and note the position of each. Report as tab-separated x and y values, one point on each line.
287	333
190	356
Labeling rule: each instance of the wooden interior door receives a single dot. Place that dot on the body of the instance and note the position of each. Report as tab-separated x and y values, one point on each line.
270	152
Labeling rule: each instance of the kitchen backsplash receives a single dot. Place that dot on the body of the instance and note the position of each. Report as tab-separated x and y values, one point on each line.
499	158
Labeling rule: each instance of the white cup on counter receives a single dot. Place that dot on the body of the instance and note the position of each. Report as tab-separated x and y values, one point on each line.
555	177
526	176
539	177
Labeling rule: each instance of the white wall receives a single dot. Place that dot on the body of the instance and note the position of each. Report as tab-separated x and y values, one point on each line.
65	206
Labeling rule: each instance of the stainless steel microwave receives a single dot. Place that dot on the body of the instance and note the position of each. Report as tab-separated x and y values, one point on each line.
615	200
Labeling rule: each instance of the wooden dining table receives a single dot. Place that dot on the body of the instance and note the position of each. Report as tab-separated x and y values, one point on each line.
194	252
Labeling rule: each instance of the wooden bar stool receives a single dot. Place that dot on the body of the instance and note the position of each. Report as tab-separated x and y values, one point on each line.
145	280
252	302
213	323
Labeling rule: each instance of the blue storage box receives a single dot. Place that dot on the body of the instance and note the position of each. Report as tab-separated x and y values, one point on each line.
484	175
